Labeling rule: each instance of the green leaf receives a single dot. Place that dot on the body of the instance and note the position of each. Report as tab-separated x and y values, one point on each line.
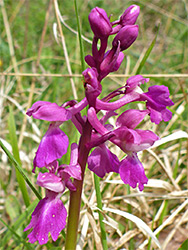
79	35
147	53
184	246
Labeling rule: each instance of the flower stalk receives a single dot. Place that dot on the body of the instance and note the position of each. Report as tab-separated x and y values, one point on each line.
75	197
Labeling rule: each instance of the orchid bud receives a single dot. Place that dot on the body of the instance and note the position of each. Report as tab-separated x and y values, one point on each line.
126	36
92	85
100	23
91	77
130	15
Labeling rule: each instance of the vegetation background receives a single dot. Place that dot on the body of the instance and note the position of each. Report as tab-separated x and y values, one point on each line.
39	51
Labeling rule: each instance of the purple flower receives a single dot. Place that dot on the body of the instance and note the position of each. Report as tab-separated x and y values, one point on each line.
129	140
53	146
100	23
102	161
132	172
49	216
50	213
157	100
49	112
72	170
133	140
126	36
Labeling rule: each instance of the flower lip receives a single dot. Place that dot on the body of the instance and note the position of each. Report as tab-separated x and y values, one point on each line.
132	172
49	216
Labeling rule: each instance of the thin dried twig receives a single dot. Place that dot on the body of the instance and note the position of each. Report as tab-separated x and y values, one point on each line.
57	12
79	75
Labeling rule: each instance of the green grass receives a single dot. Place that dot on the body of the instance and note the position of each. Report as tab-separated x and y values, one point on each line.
163	198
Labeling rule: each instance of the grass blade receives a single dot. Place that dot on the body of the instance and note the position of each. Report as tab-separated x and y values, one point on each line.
79	36
21	171
99	204
147	53
15	150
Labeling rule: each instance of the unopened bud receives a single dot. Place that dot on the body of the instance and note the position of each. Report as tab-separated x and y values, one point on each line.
130	15
100	23
126	36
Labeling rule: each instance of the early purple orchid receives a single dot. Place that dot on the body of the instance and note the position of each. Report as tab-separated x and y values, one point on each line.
95	128
50	214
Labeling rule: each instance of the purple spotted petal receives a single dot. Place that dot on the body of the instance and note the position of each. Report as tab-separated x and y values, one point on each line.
53	146
132	172
102	161
49	216
49	112
51	182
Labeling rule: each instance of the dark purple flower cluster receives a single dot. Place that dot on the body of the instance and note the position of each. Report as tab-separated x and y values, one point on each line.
50	214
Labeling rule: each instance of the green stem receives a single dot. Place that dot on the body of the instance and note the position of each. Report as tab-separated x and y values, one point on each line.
75	197
99	204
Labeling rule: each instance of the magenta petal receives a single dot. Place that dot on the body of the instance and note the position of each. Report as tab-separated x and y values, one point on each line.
53	146
74	154
131	118
51	182
49	216
102	161
118	62
132	172
49	112
135	81
134	140
71	171
157	100
126	138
